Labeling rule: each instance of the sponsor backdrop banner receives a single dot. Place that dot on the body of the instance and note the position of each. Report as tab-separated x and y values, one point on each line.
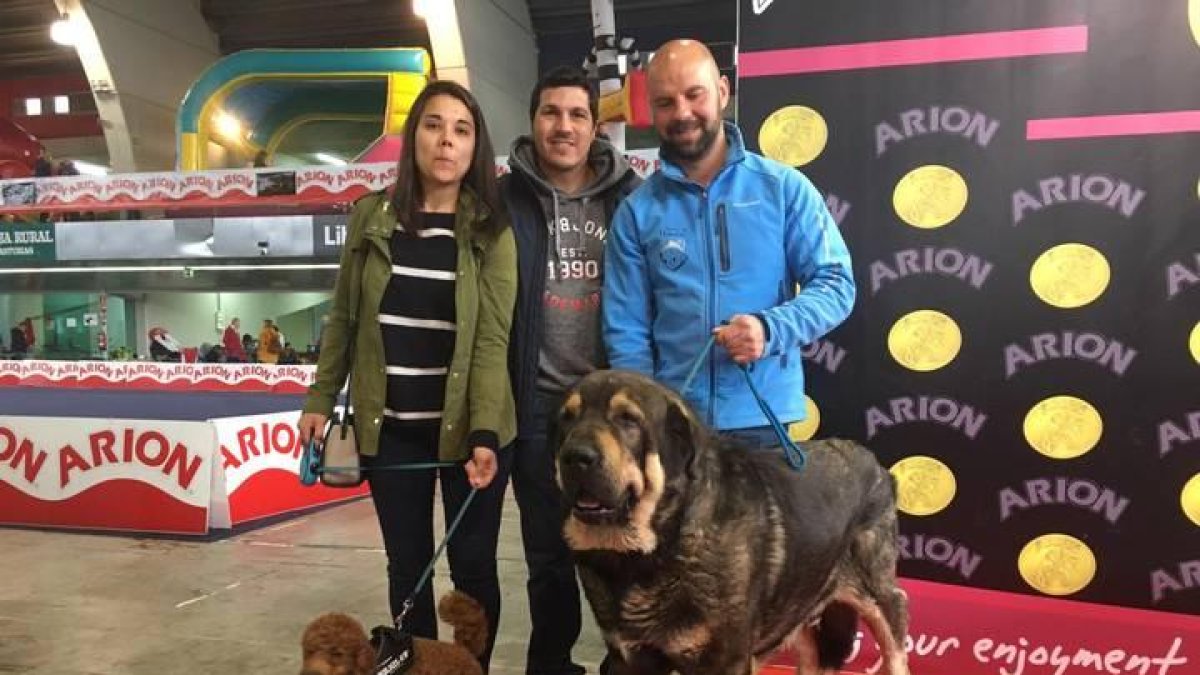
967	631
1017	182
149	475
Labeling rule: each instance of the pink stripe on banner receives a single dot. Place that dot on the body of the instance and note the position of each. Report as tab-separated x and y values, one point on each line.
913	52
1139	124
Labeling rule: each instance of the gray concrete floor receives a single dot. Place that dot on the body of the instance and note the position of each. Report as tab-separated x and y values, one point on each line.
82	604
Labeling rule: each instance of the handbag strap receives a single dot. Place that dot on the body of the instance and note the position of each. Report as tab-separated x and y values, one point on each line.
355	298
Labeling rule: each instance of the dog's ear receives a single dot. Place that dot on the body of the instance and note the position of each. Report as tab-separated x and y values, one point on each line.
683	434
559	423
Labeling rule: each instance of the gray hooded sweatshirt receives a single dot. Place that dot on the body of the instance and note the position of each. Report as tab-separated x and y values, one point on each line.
577	226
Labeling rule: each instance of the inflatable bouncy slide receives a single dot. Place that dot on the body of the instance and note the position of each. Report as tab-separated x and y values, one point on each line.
261	102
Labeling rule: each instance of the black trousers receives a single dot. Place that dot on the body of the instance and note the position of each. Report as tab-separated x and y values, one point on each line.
553	591
404	506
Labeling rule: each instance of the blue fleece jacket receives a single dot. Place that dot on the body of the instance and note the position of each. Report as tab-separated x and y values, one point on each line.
682	258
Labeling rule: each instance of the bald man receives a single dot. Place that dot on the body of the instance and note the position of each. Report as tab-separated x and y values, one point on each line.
716	243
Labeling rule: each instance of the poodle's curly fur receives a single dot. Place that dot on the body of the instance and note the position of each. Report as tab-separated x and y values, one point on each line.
336	644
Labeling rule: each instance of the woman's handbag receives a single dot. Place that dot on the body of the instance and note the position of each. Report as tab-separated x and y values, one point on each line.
339	460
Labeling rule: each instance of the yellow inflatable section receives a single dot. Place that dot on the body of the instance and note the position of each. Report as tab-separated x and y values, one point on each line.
270	92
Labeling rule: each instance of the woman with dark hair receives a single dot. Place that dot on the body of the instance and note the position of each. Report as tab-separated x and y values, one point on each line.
420	321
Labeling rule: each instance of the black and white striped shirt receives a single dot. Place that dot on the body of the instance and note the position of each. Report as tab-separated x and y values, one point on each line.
416	317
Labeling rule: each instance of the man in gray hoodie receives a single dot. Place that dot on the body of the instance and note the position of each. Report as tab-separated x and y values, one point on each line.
565	184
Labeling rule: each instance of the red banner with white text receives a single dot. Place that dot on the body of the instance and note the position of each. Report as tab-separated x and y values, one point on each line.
142	375
140	475
955	630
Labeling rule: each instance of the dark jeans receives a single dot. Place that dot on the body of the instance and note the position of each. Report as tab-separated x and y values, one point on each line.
404	505
553	591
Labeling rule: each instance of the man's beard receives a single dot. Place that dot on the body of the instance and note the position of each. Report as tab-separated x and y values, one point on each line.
694	151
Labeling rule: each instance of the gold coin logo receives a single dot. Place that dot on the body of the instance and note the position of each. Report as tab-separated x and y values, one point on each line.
794	135
924	485
924	340
1190	499
1194	340
804	431
1069	275
1063	427
930	196
1057	564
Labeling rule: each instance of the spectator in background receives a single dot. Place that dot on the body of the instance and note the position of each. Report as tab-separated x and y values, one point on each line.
164	347
214	354
66	167
235	351
289	357
248	346
261	159
27	331
19	346
43	168
269	345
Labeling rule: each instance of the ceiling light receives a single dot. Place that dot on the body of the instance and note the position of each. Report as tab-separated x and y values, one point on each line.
327	158
63	31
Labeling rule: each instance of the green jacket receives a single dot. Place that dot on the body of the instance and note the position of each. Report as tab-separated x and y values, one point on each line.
478	393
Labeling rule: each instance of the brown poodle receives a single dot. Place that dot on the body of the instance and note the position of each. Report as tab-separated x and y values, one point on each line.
335	644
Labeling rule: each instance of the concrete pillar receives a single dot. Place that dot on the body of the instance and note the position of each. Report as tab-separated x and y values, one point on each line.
140	57
490	48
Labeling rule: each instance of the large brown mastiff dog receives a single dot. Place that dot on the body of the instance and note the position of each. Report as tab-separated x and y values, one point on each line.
703	558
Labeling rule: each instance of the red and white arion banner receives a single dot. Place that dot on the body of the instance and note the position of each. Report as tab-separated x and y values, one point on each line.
141	375
88	473
956	630
235	186
258	458
154	476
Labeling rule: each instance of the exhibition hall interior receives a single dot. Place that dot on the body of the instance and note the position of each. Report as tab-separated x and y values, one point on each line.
194	194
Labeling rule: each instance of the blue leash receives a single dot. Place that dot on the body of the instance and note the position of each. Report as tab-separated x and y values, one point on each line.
415	466
408	602
795	455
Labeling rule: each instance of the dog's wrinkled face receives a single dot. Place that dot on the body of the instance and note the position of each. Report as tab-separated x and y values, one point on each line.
622	438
